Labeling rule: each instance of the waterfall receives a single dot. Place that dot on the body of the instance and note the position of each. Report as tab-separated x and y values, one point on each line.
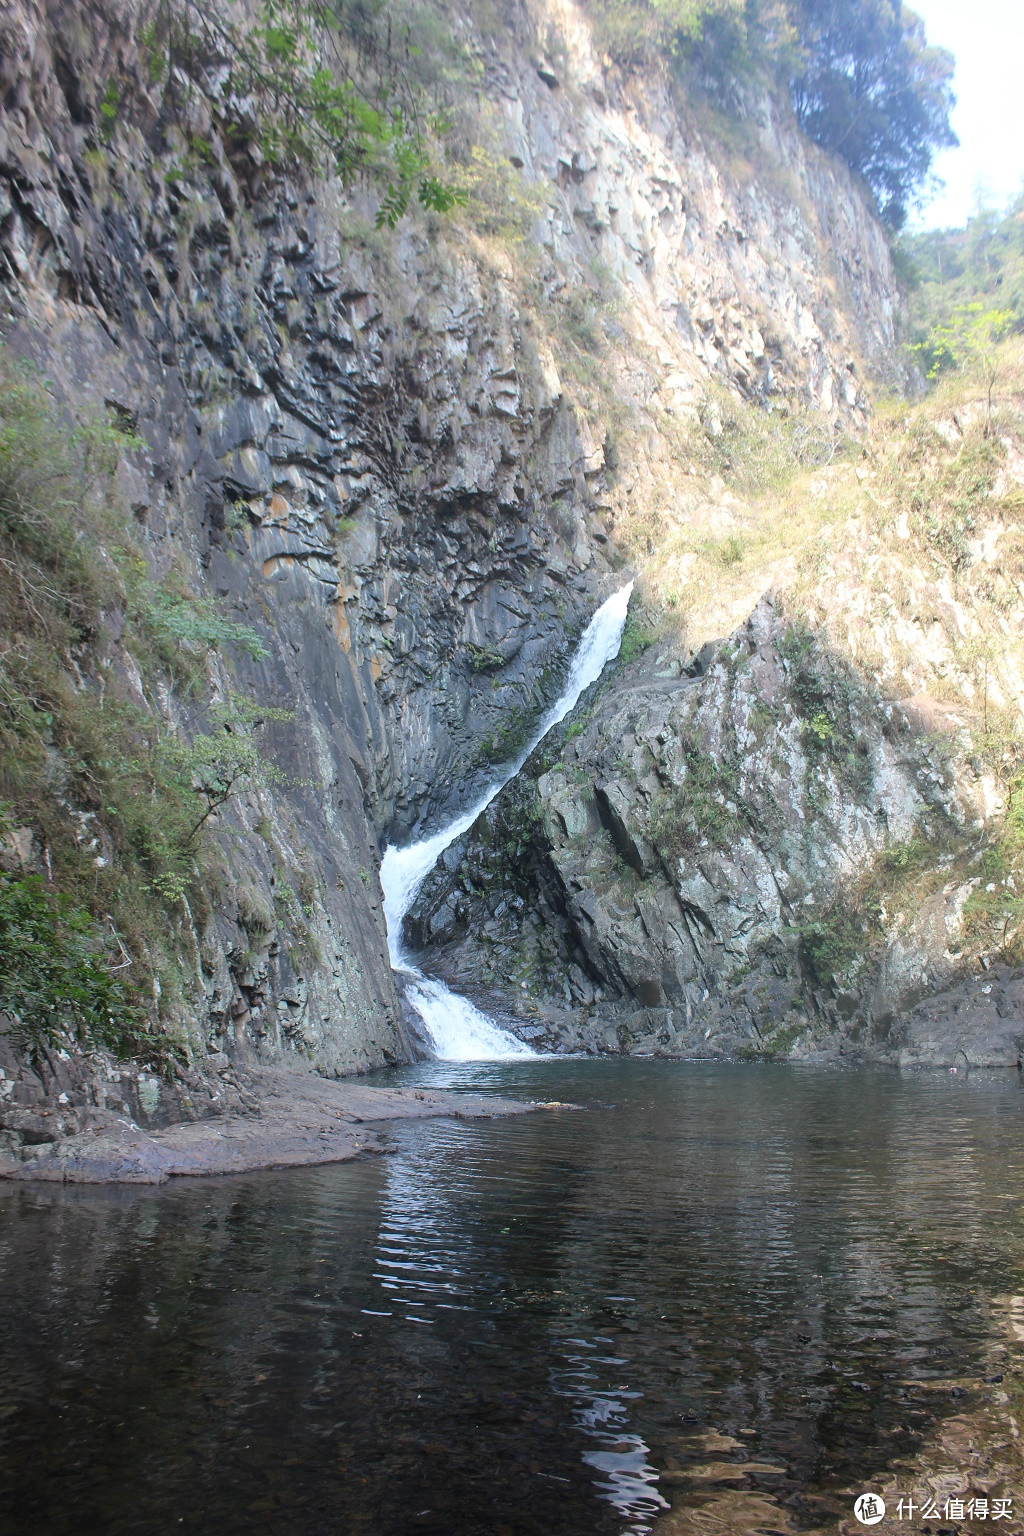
457	1030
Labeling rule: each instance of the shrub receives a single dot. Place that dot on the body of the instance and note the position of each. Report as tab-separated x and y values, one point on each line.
277	81
698	810
57	976
829	945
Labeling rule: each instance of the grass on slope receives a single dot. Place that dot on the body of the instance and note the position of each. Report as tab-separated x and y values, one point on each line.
905	551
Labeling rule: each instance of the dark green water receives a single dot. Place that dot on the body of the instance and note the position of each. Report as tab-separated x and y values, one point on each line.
525	1326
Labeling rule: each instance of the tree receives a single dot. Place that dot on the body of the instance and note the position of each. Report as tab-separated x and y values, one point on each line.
968	339
871	90
864	83
724	38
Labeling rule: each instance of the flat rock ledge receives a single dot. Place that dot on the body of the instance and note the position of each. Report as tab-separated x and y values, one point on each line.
300	1120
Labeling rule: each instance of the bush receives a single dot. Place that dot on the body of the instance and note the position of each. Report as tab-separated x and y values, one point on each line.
56	974
829	946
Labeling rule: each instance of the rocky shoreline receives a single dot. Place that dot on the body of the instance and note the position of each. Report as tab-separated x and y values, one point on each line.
91	1120
281	1119
978	1023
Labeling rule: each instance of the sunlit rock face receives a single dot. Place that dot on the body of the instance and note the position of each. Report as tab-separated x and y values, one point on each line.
724	858
369	447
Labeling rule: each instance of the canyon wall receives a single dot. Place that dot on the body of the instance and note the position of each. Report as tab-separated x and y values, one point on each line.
412	461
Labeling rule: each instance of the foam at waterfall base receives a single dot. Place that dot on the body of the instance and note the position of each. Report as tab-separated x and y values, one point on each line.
458	1031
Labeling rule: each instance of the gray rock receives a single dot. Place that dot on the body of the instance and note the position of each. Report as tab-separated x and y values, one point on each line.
364	449
710	855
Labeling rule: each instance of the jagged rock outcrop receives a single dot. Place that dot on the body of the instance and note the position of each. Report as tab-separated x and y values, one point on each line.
369	448
762	857
743	253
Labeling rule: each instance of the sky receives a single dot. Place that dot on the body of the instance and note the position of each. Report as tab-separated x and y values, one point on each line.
986	37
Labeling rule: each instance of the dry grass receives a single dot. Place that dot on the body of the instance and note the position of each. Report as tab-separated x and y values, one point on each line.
906	552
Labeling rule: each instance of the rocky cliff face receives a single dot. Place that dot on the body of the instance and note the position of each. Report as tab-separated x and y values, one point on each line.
382	453
690	869
799	841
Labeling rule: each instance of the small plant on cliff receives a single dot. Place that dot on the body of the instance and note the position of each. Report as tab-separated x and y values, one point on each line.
824	695
704	807
218	764
637	637
183	629
994	912
58	975
484	658
289	88
831	943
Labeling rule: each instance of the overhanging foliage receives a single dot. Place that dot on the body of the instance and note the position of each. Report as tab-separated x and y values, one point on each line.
863	81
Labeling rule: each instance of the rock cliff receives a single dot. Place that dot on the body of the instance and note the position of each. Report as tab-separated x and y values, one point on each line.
413	463
797	841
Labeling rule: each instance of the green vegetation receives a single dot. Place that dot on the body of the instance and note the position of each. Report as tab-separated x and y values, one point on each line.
317	83
948	505
705	807
115	799
638	636
775	1043
830	944
60	973
966	272
512	735
823	693
484	658
853	926
791	470
869	89
500	202
994	912
725	38
182	629
966	289
863	81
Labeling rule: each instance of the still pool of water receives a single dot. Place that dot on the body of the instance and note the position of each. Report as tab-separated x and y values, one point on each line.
567	1324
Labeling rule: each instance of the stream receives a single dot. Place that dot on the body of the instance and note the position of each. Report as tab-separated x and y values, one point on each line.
679	1299
454	1027
718	1291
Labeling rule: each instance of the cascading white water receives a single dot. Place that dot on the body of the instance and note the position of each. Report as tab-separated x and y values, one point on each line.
458	1031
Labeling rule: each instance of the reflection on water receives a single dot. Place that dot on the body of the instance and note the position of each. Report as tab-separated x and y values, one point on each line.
716	1278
